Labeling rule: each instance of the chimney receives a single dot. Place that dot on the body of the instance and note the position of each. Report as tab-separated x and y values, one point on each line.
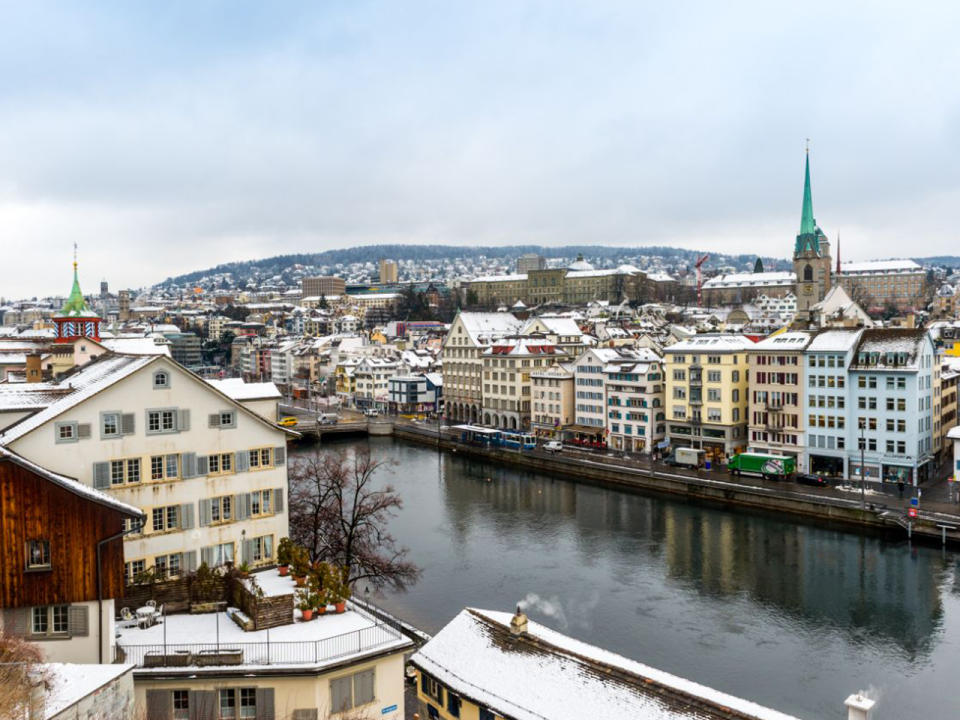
518	623
34	371
859	707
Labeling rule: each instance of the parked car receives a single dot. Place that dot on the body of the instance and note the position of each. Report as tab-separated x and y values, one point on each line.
327	419
371	412
288	422
812	479
553	445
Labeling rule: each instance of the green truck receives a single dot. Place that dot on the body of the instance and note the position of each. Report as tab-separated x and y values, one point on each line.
772	467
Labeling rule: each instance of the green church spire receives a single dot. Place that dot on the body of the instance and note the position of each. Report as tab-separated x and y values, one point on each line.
807	224
76	306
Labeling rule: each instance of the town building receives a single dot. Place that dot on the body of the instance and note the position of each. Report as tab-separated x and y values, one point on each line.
530	261
879	285
209	473
634	392
707	394
61	561
327	285
415	393
389	271
777	389
487	665
470	334
507	388
552	405
892	379
590	411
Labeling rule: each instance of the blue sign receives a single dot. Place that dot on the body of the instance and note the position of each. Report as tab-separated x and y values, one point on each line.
392	708
915	501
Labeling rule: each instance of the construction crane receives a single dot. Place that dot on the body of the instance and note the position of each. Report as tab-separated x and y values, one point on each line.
698	265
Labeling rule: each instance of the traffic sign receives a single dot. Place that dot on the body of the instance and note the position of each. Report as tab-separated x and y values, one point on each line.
911	512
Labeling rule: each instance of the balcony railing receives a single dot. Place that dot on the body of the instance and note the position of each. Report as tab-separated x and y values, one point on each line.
302	652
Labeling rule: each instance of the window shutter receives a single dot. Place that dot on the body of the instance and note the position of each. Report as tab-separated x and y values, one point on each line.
248	552
363	683
280	456
159	704
278	500
241	506
205	512
190	561
128	424
265	704
203	704
183	420
15	621
186	516
241	461
206	556
83	431
213	420
341	698
78	620
188	465
203	465
101	475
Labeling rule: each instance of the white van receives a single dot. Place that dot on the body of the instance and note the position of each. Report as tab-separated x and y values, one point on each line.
327	419
553	446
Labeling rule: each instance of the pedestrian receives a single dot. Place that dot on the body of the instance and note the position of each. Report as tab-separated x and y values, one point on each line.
900	488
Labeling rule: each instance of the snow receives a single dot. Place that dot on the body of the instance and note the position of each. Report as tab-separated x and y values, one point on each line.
750	280
834	340
484	326
784	341
237	389
70	683
879	266
550	675
137	346
711	344
272	583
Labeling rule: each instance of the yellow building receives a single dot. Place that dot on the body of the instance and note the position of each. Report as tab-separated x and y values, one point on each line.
706	395
552	405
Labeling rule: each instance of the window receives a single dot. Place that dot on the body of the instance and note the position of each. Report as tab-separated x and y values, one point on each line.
38	555
110	424
262	548
156	467
66	432
164	467
713	376
161	421
260	502
872	444
228	419
133	470
248	702
50	620
486	714
167	565
228	704
220	508
122	471
431	688
355	690
165	518
453	704
133	569
161	380
181	705
173	466
220	463
260	458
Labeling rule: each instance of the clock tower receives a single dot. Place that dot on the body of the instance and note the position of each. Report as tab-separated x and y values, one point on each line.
811	256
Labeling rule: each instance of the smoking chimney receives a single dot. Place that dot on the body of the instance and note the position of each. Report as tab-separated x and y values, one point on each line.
859	707
518	623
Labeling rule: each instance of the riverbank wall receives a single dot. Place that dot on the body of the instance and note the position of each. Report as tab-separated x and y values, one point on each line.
807	506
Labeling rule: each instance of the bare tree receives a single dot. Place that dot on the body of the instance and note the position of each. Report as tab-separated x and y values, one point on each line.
340	516
23	680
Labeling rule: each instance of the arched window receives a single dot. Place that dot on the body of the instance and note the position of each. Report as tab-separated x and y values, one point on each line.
161	379
808	274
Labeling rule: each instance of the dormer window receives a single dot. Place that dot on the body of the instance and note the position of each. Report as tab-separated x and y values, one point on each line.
161	380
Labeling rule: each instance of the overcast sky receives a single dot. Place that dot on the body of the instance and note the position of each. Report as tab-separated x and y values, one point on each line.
171	138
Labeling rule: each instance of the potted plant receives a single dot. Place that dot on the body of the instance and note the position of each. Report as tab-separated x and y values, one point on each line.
243	570
300	565
339	589
284	555
305	605
315	584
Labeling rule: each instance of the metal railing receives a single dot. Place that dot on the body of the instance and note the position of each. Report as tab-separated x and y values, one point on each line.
300	652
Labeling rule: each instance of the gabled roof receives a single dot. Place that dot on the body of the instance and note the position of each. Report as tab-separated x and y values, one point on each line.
237	389
543	674
71	484
482	327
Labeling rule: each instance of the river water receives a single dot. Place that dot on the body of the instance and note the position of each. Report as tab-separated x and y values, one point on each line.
792	616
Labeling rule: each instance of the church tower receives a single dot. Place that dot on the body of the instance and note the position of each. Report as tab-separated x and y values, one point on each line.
811	256
75	319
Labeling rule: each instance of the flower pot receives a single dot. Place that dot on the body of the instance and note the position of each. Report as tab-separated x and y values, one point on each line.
301	580
306	615
322	610
284	570
341	606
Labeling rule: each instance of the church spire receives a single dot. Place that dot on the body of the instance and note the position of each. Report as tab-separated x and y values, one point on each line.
807	224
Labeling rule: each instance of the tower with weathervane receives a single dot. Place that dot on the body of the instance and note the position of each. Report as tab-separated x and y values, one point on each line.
811	256
75	319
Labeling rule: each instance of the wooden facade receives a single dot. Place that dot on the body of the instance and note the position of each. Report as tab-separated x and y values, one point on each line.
33	507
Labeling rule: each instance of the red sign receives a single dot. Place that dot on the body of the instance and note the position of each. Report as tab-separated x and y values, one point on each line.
911	512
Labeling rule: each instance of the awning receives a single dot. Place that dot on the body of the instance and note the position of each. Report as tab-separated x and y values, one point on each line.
663	444
584	429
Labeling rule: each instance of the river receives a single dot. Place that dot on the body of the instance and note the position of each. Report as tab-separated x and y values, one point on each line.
789	615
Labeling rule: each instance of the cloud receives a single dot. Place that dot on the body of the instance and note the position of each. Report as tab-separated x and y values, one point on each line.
173	137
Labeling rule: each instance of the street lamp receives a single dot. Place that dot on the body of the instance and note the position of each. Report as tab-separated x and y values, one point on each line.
863	444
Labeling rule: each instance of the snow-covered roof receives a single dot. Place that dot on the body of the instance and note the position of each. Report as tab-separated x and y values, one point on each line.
764	279
711	344
485	326
545	674
71	484
660	277
137	345
560	326
889	349
838	340
879	266
522	348
69	683
237	389
513	277
783	341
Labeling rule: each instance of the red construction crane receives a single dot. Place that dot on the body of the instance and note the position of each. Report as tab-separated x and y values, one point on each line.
697	264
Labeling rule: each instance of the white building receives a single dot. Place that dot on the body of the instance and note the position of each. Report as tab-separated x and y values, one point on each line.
634	398
209	473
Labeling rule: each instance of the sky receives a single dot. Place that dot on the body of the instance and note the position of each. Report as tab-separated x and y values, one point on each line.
169	137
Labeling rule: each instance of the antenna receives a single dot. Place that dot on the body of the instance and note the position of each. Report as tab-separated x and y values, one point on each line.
808	146
74	254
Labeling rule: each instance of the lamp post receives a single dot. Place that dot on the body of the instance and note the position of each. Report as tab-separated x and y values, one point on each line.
863	444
